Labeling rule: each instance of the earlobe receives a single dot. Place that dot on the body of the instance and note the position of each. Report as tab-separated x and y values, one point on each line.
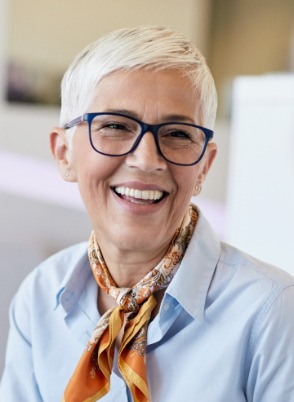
197	189
61	153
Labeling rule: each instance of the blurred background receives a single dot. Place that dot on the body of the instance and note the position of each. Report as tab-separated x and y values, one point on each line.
249	195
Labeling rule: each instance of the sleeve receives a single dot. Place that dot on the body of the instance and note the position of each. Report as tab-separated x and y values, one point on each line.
18	381
271	352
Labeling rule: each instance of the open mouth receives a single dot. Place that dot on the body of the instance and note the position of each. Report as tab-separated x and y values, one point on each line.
140	196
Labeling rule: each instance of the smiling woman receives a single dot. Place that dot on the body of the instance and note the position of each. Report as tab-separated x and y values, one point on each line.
135	133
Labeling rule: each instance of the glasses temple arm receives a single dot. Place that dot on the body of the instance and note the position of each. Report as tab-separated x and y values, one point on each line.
74	122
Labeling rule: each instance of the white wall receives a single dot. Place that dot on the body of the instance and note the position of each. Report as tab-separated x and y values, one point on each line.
260	213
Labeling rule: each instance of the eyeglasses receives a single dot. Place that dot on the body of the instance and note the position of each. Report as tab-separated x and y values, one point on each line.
115	134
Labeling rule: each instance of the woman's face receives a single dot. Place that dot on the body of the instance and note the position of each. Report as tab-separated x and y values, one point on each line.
122	222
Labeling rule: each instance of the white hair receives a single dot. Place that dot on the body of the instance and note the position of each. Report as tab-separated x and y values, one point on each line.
149	47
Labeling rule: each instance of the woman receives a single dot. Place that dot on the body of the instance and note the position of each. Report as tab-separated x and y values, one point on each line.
180	315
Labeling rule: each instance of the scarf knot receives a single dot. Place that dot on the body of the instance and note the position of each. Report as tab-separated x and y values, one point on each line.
129	303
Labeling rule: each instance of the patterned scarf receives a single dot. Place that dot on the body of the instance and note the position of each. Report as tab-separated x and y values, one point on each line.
91	379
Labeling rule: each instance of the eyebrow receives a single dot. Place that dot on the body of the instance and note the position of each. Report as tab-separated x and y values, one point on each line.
167	118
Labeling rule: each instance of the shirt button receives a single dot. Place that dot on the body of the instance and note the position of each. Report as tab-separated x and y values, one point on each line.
166	306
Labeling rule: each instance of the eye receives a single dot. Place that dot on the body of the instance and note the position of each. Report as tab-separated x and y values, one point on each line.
176	134
179	134
110	127
114	126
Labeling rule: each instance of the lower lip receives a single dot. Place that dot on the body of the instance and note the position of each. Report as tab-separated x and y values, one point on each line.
138	208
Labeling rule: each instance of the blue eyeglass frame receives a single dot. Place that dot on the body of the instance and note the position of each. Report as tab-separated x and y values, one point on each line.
145	128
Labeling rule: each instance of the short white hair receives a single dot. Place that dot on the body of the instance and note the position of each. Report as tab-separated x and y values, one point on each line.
150	47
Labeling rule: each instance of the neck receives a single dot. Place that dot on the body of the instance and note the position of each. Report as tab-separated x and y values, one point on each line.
128	267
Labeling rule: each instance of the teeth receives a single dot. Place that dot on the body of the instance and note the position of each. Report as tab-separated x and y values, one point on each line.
152	195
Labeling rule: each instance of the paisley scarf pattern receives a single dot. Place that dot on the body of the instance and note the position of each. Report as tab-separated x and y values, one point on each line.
91	379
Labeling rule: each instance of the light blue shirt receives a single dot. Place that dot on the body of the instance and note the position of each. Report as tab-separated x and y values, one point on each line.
224	332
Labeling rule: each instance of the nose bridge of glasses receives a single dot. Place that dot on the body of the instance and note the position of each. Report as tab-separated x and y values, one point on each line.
145	129
148	128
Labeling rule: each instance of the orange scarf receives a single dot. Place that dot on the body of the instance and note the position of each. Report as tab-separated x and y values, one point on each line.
91	379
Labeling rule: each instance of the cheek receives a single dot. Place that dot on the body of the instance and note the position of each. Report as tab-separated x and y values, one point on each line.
90	166
92	172
186	178
95	171
93	182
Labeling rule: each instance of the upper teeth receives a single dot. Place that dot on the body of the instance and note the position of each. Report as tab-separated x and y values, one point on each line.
140	194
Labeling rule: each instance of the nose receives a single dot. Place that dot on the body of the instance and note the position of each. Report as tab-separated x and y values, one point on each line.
146	156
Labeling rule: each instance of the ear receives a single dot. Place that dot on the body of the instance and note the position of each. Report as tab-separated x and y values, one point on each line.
206	164
60	150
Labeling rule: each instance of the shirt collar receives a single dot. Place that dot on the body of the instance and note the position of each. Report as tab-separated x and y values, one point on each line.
74	282
191	282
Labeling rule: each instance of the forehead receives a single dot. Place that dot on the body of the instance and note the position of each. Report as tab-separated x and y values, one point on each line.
147	91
